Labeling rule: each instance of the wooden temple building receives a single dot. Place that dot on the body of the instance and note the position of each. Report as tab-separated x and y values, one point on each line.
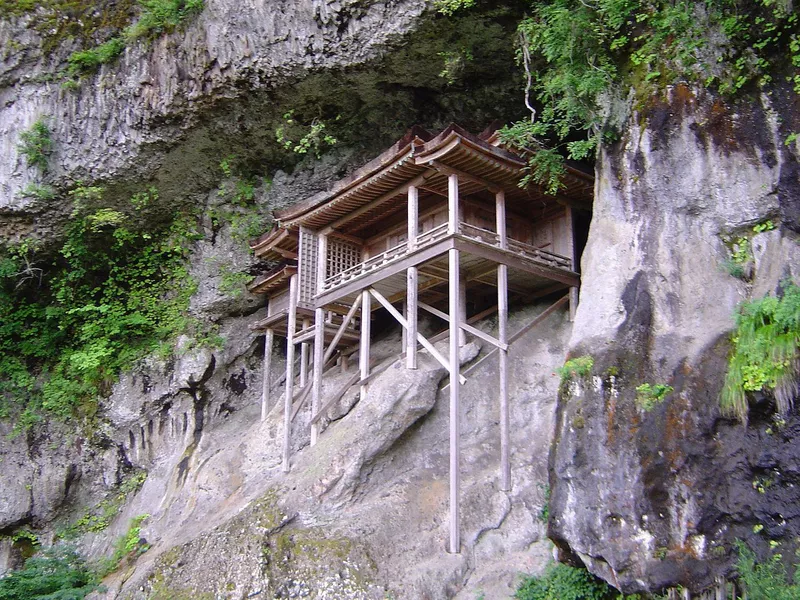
427	224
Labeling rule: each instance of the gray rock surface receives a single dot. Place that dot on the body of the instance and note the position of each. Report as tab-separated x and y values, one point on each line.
364	512
157	92
654	499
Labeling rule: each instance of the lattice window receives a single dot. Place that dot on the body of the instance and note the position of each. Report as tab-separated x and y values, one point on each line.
341	256
307	266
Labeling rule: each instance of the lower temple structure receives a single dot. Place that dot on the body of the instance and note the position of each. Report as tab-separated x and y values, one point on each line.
426	225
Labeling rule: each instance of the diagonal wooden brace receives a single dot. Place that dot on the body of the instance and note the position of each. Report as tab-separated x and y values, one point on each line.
465	326
425	343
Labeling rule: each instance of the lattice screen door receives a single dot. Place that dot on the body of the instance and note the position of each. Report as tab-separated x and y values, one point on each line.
341	255
307	267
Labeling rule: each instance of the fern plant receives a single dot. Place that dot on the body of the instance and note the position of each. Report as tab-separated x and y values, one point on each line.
766	352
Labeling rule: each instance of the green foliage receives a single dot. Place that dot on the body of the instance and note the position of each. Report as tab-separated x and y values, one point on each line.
765	226
99	517
580	56
87	61
766	352
162	16
767	580
57	20
575	368
450	7
649	396
59	574
562	582
233	283
36	144
302	139
127	545
115	291
38	192
454	63
544	512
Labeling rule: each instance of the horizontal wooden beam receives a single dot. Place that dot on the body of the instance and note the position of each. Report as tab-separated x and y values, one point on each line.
447	170
286	253
402	189
422	287
515	261
364	281
465	326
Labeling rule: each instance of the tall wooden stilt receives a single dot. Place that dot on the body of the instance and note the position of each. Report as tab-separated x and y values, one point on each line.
453	226
266	380
366	310
502	325
462	307
319	350
573	291
412	281
287	412
453	209
502	318
319	337
304	357
404	332
412	300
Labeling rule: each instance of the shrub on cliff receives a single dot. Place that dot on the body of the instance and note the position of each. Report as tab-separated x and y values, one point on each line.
766	352
562	582
59	574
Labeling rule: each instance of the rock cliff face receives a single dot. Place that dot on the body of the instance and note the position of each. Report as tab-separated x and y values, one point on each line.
363	514
645	498
650	499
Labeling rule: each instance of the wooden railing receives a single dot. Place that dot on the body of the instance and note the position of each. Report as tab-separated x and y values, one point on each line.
432	236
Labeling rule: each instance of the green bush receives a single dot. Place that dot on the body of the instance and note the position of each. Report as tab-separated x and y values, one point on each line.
87	61
38	192
764	581
127	545
576	367
766	352
116	290
36	144
649	396
162	16
59	574
562	582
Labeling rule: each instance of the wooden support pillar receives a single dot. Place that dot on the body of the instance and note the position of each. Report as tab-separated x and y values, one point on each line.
455	410
412	282
412	300
462	307
500	218
502	319
319	336
721	589
505	441
316	381
366	310
453	208
304	357
573	291
287	411
266	380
